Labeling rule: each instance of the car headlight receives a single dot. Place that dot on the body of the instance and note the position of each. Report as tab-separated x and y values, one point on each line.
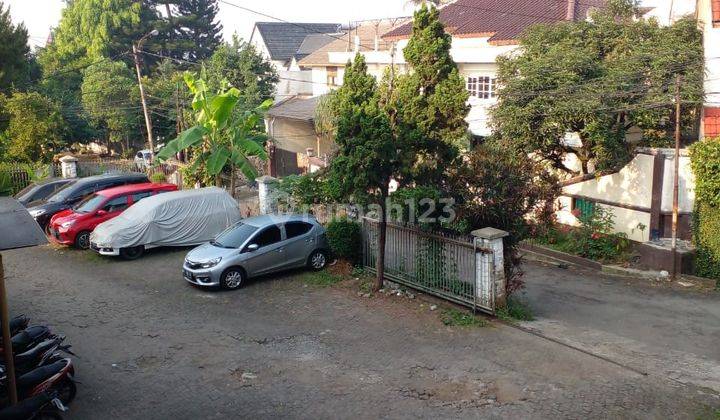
211	263
67	224
37	212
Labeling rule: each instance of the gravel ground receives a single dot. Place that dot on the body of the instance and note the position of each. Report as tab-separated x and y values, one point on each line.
151	346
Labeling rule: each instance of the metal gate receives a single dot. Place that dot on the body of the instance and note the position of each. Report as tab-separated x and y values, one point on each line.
449	267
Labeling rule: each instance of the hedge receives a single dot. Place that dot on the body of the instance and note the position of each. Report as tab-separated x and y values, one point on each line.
345	239
705	162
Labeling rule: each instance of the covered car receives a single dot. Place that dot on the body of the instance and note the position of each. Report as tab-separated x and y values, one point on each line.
179	218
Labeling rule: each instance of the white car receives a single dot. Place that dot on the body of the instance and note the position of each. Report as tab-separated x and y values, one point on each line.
177	218
143	158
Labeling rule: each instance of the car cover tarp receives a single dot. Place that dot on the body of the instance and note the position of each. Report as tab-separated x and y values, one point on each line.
178	218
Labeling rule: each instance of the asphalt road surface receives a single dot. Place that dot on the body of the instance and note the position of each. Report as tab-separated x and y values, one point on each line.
151	346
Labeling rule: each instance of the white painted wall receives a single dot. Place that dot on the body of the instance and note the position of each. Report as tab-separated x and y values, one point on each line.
474	56
711	42
686	198
632	185
293	83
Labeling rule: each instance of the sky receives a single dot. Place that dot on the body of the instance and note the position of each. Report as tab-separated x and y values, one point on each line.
40	16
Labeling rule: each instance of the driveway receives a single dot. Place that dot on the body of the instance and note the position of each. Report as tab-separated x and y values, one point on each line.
643	324
151	346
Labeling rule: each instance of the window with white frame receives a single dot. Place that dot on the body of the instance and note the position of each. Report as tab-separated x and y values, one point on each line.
482	87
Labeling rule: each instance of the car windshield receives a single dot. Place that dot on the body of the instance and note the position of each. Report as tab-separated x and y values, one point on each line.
89	204
63	193
26	191
234	237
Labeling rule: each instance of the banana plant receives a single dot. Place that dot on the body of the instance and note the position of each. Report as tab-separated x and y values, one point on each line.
225	138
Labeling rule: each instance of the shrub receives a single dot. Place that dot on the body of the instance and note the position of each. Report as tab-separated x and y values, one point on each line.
595	238
345	239
705	163
158	177
498	187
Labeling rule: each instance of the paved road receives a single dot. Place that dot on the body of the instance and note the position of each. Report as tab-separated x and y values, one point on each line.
154	347
641	323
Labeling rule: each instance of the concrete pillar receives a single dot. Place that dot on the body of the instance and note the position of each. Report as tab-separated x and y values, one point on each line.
491	239
68	166
266	194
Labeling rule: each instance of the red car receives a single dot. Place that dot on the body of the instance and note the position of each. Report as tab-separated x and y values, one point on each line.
73	226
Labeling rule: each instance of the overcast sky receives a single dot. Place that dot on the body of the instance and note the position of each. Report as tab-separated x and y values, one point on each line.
40	15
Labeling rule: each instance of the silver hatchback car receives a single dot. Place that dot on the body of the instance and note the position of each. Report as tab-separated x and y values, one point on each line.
256	246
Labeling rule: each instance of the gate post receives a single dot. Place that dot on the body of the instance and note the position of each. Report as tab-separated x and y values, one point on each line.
68	165
492	239
266	194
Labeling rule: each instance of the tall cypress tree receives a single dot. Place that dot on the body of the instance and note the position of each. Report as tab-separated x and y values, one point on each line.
14	51
429	103
189	27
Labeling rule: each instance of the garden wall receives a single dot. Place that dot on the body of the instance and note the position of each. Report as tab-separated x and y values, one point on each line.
639	195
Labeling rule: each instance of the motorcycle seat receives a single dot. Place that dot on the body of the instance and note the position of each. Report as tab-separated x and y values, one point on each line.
28	336
37	376
34	354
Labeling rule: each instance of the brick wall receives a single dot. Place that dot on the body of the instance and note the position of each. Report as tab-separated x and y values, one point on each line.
711	121
716	12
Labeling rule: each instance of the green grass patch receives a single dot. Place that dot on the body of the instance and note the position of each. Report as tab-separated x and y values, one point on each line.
321	278
515	310
455	318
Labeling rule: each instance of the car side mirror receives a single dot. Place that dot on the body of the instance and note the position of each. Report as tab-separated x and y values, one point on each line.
101	212
252	247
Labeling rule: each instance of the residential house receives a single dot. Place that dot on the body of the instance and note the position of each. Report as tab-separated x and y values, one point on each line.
481	29
295	148
280	43
707	13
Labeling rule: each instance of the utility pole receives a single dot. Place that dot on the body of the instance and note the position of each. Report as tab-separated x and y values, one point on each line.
676	176
148	121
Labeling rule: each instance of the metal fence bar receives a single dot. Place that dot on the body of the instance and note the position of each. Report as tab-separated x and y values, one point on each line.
437	263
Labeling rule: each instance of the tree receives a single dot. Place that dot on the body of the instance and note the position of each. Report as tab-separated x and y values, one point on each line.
14	51
189	28
89	32
110	97
499	187
597	78
427	106
167	97
221	139
35	127
366	159
240	65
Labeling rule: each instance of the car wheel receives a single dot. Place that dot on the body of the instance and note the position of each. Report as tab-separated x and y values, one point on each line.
232	278
318	260
82	240
132	253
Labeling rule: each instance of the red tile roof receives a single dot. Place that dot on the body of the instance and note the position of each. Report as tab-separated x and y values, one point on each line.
501	20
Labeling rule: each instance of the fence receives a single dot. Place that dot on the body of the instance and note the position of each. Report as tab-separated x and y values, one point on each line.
451	267
15	177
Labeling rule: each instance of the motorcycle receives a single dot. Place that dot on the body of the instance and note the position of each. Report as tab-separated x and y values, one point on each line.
45	352
56	376
28	338
43	406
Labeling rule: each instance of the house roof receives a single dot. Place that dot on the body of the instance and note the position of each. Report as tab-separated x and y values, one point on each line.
503	21
368	33
283	39
295	108
313	42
